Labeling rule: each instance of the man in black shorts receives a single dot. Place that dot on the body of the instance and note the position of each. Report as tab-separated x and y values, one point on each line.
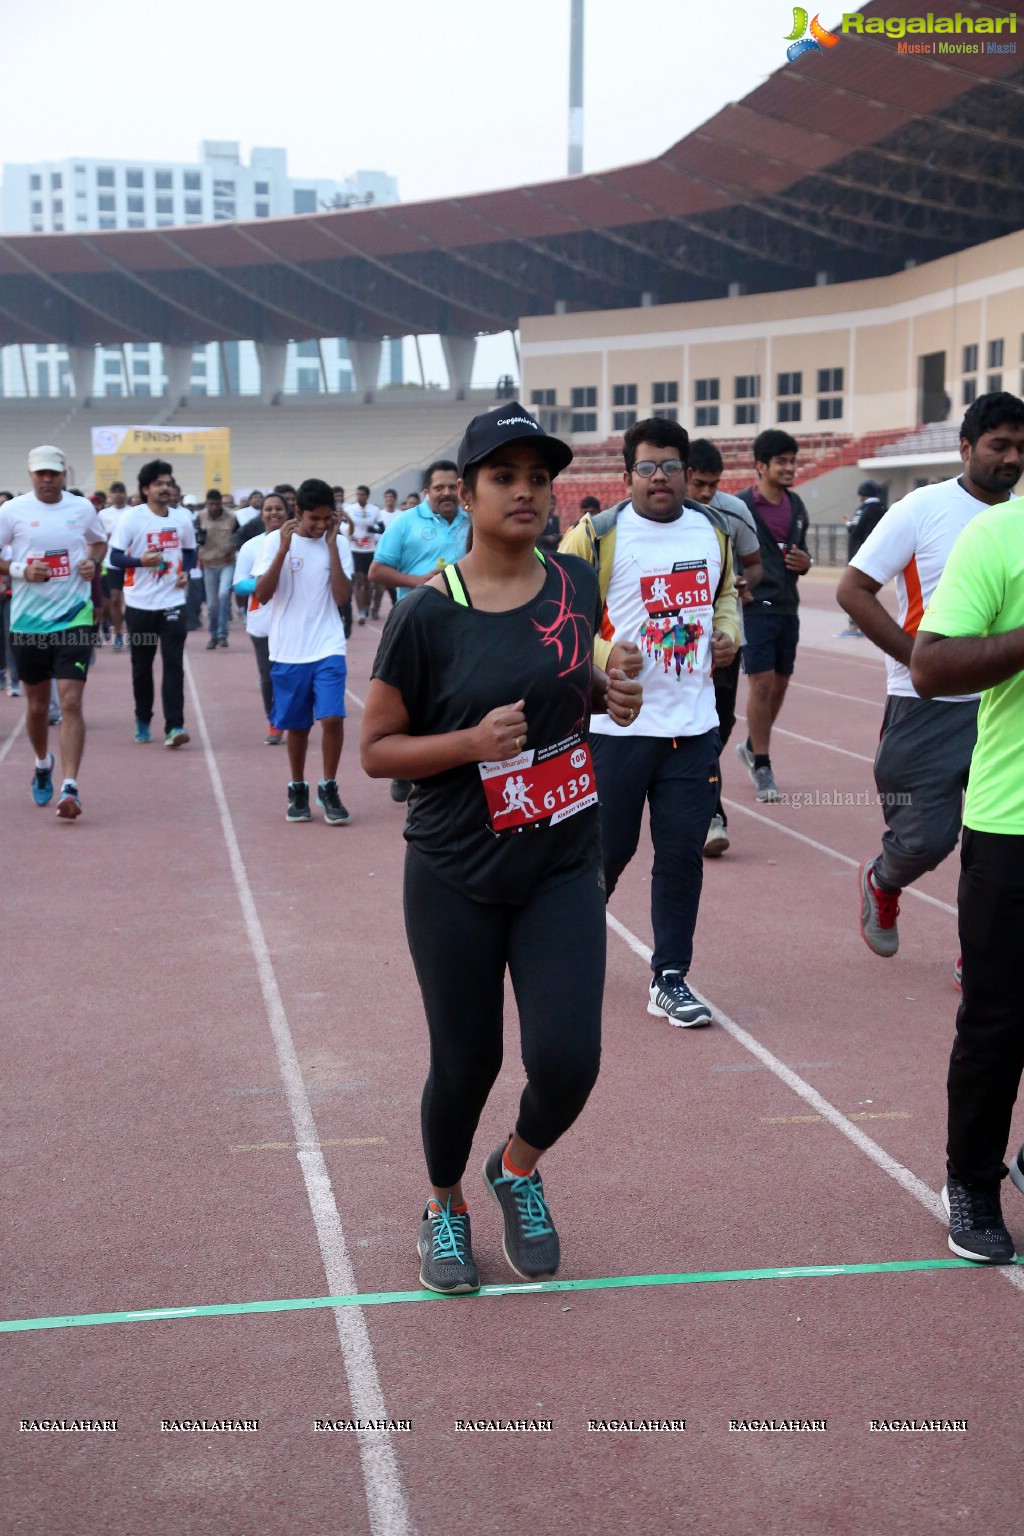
56	541
771	620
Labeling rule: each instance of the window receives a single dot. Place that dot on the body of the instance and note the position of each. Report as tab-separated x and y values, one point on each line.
308	381
970	391
747	387
165	205
304	200
55	180
133	178
199	368
79	170
971	358
624	394
747	415
707	415
995	354
164	222
263	210
223	208
306	349
666	393
112	365
113	388
193	205
830	409
223	189
830	381
136	204
584	421
580	399
666	413
163	181
140	348
35	184
105	177
790	384
542	397
37	226
262	188
143	389
106	203
58	205
994	383
136	223
789	410
141	367
706	389
193	181
58	224
623	420
37	207
107	223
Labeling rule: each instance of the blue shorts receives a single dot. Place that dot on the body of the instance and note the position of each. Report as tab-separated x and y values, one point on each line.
770	644
305	691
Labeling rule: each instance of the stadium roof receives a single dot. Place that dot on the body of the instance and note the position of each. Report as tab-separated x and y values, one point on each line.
853	162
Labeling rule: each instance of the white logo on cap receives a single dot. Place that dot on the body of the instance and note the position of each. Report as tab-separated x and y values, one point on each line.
516	421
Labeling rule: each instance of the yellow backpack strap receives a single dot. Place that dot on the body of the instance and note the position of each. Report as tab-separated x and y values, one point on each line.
456	591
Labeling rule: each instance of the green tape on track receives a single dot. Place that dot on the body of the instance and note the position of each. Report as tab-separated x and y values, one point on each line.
486	1292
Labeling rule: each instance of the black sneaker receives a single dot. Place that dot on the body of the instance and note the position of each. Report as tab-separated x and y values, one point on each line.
976	1228
400	790
298	803
1017	1170
327	796
670	998
446	1251
530	1242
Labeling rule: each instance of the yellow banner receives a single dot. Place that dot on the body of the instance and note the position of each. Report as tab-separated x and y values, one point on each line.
112	444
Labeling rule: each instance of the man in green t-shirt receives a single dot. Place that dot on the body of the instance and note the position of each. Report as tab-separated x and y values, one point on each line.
971	638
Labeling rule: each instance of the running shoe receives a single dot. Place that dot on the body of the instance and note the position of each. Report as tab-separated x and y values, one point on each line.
361	619
976	1227
177	736
764	783
445	1250
298	803
69	806
878	913
958	973
223	642
274	737
400	789
14	690
118	642
717	840
54	717
42	783
142	732
670	998
746	757
212	643
329	800
1017	1170
530	1242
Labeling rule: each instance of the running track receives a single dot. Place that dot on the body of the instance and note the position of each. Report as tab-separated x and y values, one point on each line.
210	1076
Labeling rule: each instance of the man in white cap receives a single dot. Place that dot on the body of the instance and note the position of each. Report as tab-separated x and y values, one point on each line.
56	541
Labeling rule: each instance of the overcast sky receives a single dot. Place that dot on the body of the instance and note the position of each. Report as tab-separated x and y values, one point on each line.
451	97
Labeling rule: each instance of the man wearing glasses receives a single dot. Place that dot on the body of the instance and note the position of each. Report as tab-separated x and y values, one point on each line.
666	577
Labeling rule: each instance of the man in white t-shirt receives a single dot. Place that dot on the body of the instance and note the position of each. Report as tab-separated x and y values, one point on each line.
274	514
113	579
54	541
155	545
924	753
665	573
367	528
305	574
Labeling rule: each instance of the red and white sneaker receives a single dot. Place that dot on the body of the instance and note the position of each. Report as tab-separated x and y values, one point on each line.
878	913
958	973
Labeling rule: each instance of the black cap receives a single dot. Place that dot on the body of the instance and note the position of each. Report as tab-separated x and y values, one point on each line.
869	488
510	423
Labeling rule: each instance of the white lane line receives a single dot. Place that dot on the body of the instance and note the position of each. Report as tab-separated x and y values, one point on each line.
837	655
811	742
853	698
12	738
833	853
355	698
385	1497
904	1178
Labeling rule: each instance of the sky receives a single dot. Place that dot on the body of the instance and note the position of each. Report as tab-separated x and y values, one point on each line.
452	97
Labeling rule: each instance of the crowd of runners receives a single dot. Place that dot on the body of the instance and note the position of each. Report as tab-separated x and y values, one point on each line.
533	690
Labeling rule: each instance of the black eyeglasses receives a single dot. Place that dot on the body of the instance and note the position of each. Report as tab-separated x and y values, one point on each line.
668	467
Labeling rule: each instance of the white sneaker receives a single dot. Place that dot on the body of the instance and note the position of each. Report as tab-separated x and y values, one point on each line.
717	840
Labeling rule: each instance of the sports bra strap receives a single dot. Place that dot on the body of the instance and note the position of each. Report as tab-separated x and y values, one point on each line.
456	588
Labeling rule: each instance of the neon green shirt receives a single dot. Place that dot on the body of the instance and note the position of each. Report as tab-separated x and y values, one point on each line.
981	592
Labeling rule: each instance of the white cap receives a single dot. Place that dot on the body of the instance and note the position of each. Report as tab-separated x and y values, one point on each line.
46	457
190	501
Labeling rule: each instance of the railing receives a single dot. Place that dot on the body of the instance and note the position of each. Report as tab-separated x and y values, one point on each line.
827	543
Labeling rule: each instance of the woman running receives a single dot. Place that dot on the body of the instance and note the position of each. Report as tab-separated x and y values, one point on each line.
274	513
481	695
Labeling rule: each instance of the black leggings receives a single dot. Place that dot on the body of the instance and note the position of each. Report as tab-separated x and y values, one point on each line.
554	949
261	645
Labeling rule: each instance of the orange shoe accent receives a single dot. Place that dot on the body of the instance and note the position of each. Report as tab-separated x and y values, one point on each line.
510	1167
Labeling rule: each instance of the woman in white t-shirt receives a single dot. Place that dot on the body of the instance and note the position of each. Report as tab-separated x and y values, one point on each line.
274	513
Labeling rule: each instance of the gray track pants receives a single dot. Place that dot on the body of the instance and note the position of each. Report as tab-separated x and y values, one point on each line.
924	754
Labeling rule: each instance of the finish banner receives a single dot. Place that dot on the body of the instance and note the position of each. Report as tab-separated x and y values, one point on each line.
111	445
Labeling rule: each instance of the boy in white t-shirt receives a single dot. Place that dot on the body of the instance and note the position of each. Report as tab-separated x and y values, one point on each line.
305	574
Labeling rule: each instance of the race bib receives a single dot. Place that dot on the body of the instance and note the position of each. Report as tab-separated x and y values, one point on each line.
684	589
58	563
543	786
166	541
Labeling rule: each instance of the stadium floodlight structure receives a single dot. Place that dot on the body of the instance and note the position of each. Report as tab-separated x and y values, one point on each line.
576	88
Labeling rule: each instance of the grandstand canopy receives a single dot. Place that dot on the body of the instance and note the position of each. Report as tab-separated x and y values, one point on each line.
851	163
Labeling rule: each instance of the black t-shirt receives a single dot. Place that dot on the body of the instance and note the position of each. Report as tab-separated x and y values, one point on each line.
452	666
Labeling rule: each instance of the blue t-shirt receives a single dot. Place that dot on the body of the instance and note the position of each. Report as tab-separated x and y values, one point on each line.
419	541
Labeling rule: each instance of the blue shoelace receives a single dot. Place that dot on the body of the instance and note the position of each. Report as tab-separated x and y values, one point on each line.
531	1205
448	1234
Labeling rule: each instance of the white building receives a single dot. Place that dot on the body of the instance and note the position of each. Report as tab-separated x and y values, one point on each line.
82	195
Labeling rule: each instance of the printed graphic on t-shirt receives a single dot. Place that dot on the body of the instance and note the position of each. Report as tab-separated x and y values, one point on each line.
679	604
165	540
539	787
